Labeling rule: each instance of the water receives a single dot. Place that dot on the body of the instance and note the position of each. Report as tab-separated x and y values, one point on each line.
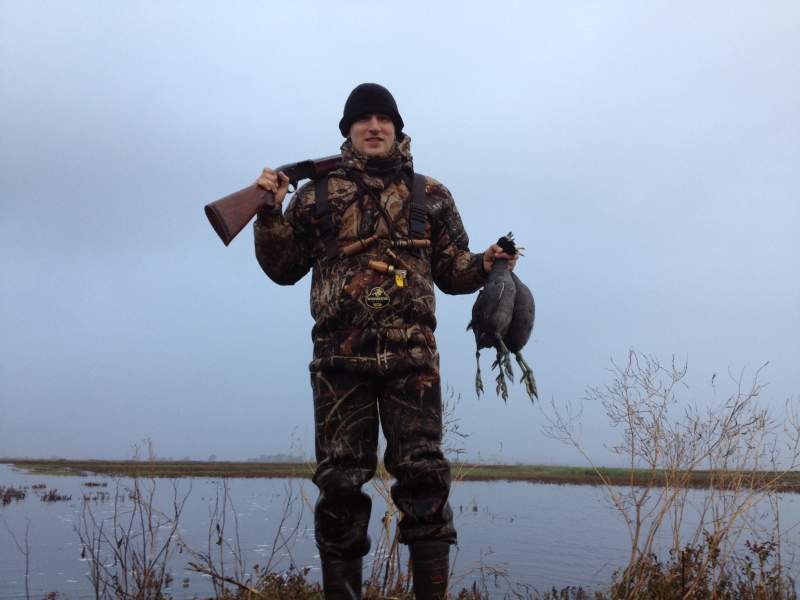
540	535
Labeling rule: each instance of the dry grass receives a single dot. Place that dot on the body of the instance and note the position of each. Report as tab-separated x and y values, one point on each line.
788	482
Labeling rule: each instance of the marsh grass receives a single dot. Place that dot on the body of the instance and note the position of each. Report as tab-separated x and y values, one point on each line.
755	576
11	494
787	481
54	496
160	469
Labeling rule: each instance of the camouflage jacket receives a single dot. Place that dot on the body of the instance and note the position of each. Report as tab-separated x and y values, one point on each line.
365	320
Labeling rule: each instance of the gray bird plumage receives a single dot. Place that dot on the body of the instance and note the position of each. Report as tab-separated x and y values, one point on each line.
519	332
491	316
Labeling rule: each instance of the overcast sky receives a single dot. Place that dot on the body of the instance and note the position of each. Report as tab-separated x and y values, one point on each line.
646	154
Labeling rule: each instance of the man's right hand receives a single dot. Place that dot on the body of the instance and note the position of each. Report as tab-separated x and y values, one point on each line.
276	182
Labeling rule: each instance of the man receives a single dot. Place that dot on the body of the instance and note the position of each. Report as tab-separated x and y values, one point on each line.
377	239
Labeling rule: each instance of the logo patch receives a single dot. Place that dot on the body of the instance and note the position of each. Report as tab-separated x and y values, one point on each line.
377	298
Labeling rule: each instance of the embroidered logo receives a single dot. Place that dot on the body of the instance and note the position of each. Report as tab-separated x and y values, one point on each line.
377	298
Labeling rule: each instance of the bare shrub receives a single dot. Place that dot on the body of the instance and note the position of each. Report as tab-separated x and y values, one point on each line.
24	548
129	551
735	447
212	560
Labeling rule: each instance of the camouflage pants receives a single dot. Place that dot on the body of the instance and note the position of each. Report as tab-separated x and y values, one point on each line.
348	408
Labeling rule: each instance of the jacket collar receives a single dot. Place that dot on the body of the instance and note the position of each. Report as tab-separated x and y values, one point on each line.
374	172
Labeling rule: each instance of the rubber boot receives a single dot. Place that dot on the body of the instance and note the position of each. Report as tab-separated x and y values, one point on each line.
430	567
341	579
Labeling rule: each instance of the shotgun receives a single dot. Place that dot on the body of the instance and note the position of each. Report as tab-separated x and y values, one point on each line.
230	214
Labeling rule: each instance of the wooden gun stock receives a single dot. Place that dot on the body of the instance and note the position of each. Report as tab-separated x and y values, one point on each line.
230	214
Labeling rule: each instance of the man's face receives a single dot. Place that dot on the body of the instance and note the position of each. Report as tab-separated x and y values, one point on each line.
373	135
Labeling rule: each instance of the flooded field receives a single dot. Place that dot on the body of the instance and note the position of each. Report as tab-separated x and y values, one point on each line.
538	535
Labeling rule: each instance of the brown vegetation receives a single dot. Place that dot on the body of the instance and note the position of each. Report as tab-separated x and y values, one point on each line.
8	494
786	481
54	496
745	454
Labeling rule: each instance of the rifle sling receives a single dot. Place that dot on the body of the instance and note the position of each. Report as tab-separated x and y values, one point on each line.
419	213
322	212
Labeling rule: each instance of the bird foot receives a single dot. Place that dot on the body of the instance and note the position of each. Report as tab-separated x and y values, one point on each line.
478	381
504	362
504	359
502	388
507	366
527	377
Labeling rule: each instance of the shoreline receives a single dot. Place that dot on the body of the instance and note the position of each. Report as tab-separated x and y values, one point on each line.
790	482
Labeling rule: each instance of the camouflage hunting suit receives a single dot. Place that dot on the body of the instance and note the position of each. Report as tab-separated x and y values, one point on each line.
375	356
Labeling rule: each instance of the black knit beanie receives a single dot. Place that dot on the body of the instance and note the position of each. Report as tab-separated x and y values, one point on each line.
369	98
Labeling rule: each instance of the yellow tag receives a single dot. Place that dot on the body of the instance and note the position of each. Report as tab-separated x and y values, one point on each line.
400	278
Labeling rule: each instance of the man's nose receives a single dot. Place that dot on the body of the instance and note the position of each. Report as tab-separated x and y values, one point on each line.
374	122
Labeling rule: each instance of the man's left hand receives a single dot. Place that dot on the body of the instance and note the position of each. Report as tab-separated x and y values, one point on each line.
494	252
